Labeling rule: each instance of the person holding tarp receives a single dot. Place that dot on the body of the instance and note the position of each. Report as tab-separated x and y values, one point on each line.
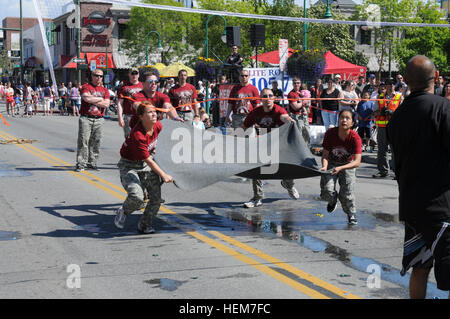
138	170
342	154
268	116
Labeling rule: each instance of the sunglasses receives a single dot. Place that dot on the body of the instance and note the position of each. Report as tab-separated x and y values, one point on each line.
97	75
244	75
153	81
265	96
134	73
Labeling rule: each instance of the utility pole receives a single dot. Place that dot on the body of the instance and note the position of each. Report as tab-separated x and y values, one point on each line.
21	44
78	19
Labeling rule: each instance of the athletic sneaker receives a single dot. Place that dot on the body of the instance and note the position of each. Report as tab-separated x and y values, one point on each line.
92	167
380	175
79	168
253	203
145	229
292	191
352	219
120	218
331	207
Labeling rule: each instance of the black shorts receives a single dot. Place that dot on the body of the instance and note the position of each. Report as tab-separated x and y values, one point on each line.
364	132
421	253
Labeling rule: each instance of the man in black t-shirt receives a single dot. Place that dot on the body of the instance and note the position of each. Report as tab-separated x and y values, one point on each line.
234	62
419	132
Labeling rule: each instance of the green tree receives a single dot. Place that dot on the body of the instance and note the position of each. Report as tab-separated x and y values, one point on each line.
333	37
178	31
275	30
386	39
431	42
218	49
5	62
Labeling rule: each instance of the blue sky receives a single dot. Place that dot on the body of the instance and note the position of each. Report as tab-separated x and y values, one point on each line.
51	8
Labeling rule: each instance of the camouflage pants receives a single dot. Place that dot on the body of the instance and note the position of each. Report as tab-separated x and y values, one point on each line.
135	176
303	126
347	180
126	124
258	192
90	131
188	117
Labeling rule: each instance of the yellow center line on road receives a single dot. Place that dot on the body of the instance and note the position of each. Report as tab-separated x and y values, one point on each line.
96	181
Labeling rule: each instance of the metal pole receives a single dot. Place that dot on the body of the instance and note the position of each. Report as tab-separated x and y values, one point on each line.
21	44
79	39
305	27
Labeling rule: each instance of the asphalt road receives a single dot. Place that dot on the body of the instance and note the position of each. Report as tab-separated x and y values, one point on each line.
58	239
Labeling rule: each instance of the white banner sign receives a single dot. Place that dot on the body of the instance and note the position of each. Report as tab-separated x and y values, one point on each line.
263	77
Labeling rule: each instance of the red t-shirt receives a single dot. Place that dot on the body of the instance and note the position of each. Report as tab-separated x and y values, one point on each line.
341	151
294	95
180	95
264	119
98	91
129	90
138	145
157	100
246	105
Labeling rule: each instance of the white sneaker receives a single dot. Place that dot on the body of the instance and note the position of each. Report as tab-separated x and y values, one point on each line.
292	191
120	218
253	203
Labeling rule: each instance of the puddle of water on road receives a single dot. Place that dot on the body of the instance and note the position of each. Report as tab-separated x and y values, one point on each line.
8	235
7	170
165	283
286	222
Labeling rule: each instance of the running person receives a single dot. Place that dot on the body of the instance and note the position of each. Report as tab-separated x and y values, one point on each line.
342	154
268	116
138	170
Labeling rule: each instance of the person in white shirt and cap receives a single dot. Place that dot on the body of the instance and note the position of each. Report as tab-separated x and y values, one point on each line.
337	81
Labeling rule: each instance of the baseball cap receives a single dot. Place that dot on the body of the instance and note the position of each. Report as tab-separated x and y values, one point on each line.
134	70
371	76
337	76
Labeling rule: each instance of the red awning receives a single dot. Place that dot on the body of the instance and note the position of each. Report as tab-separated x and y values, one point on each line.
71	64
271	57
335	65
99	59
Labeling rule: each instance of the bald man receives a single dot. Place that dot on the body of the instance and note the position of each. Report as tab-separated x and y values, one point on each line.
419	132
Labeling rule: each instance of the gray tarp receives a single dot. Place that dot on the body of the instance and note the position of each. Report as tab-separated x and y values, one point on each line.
197	158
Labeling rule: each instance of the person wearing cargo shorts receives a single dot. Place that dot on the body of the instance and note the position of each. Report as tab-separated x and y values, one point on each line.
342	155
138	170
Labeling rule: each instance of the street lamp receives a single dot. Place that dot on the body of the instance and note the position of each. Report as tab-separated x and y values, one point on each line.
224	34
305	28
146	43
328	14
224	39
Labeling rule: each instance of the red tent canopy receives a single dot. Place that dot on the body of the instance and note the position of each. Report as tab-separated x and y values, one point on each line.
347	70
271	57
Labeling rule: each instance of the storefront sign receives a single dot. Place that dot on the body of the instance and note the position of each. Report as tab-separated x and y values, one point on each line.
96	40
96	22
